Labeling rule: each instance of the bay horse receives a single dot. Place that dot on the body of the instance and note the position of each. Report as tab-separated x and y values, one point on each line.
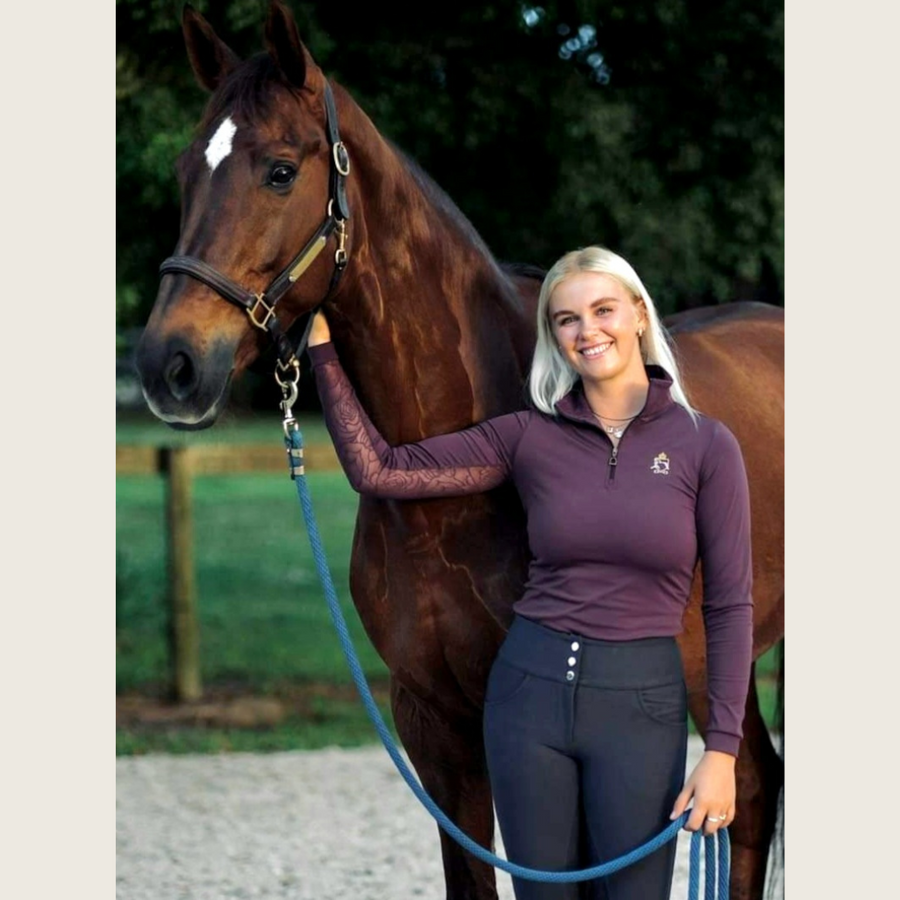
435	335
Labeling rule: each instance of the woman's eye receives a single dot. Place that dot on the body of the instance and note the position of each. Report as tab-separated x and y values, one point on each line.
282	175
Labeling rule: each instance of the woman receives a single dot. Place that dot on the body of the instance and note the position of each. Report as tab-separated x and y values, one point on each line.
625	487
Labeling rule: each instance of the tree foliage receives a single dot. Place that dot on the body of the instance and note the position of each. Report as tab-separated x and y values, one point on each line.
655	128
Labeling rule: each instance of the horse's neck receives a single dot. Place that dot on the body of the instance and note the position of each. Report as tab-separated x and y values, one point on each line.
424	319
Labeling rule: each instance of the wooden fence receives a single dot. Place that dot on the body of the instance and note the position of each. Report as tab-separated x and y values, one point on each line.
178	465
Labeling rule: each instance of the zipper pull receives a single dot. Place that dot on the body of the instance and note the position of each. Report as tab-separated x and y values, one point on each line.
612	460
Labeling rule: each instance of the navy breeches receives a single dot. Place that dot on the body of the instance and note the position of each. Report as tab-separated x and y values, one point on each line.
586	744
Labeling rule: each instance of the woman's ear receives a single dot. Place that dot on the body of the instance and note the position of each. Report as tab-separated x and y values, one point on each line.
643	318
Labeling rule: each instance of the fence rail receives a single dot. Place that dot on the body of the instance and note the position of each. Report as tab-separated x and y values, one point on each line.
220	459
178	465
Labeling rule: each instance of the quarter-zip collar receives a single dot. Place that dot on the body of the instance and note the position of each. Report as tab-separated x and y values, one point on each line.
574	405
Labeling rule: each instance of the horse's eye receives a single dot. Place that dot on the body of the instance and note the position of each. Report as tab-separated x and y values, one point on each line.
282	175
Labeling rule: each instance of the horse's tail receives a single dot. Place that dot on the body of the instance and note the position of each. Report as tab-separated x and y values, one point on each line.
775	888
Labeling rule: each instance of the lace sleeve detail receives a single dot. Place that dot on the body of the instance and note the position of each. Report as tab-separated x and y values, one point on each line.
451	465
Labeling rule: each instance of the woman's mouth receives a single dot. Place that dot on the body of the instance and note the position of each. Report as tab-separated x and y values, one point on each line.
597	350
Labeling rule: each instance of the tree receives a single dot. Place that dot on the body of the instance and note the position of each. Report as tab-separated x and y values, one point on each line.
654	128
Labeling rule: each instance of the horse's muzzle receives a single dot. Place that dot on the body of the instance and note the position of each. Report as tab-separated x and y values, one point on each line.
182	387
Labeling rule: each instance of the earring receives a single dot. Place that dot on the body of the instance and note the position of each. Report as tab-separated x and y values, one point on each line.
640	332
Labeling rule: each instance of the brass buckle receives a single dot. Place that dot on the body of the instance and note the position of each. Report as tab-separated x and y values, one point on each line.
340	255
270	311
341	158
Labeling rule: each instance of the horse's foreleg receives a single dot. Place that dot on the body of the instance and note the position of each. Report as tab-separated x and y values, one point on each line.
449	759
760	775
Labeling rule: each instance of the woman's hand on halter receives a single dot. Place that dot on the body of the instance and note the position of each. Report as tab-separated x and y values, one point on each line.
320	333
712	788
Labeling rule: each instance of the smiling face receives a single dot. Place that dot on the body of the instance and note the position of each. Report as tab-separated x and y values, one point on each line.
595	321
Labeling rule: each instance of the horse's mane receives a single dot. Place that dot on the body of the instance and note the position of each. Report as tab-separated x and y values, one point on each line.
444	203
441	201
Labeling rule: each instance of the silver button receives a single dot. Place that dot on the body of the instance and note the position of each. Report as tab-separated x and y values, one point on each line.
571	660
575	645
570	675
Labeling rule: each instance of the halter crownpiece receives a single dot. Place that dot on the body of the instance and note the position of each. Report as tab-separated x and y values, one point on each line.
260	307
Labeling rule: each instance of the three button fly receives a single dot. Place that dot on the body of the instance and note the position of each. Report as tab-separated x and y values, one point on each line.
572	660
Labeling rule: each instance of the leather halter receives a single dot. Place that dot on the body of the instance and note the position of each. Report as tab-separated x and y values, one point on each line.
260	307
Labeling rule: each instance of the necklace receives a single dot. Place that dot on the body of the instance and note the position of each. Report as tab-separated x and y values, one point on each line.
615	430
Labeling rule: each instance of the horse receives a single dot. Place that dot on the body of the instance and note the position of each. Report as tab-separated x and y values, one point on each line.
435	334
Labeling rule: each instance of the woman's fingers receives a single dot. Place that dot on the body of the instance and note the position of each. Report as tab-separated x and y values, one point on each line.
711	786
681	802
708	815
707	820
713	822
697	819
320	333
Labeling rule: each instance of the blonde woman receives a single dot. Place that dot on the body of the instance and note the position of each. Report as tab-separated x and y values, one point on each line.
626	488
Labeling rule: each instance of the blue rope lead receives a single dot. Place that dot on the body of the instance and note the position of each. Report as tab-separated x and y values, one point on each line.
294	443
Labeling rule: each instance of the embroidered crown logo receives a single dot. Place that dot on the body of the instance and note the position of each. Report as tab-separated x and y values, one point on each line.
660	465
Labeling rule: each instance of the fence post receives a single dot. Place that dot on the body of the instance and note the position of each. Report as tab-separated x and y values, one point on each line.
184	631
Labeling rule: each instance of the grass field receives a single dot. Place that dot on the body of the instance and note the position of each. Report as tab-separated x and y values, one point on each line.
264	624
263	616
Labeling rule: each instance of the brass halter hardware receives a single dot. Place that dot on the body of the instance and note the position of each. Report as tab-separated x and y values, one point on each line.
269	312
340	255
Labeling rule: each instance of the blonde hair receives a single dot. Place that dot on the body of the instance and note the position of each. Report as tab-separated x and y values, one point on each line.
551	377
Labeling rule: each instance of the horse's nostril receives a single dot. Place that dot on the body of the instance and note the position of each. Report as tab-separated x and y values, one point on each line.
181	376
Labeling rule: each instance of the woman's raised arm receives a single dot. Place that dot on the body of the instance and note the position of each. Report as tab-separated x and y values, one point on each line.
464	462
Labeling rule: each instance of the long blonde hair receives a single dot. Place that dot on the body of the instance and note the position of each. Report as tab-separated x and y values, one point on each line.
551	377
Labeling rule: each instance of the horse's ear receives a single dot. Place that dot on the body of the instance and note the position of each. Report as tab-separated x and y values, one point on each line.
211	59
288	51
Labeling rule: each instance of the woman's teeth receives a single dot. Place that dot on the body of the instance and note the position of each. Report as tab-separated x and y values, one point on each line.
596	351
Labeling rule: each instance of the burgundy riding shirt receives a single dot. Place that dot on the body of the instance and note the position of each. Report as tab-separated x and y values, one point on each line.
615	534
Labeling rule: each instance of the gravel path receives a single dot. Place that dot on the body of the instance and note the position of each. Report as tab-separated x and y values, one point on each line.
308	825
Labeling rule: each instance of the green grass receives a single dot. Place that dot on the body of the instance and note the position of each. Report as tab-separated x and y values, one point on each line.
262	612
264	622
766	685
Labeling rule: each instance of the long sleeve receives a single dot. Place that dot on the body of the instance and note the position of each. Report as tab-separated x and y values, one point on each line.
723	531
451	465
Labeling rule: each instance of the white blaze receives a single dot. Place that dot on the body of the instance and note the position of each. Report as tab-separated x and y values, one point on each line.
219	145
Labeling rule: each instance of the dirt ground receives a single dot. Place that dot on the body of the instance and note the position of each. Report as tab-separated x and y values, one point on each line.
234	708
303	825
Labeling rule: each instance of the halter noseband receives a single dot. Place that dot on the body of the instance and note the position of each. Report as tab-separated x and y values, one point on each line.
260	307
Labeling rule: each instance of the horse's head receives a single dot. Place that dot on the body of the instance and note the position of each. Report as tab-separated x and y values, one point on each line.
255	189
